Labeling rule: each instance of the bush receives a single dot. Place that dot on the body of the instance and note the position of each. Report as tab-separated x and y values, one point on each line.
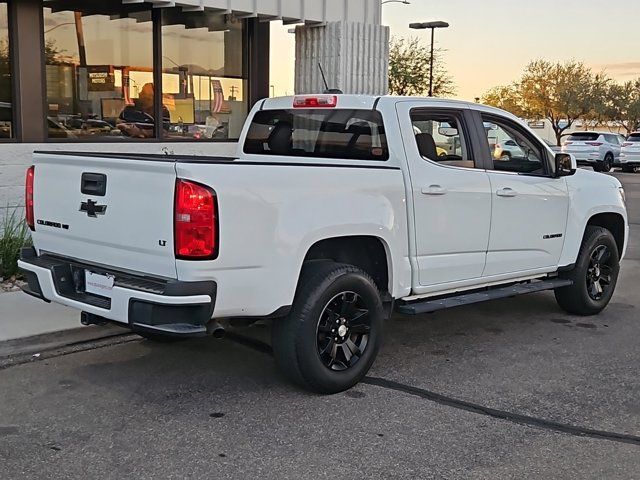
14	234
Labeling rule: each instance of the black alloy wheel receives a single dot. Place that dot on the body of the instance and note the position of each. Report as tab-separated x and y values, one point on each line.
343	331
599	273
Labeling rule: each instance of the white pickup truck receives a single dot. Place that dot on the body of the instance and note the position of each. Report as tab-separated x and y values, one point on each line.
337	211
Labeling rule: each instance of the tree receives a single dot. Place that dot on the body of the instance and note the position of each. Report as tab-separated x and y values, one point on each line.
506	98
601	108
559	92
624	106
409	67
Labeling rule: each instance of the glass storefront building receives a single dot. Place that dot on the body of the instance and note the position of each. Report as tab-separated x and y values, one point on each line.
127	72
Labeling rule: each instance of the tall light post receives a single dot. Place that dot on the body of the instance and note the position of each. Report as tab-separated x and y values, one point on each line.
432	26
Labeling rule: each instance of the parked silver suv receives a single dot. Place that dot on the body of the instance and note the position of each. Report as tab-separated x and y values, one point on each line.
599	150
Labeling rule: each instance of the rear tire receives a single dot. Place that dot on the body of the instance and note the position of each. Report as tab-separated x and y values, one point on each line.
332	335
594	276
629	169
607	165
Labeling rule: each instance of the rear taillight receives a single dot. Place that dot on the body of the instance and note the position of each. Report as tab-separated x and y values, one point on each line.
568	143
28	198
627	144
196	222
594	144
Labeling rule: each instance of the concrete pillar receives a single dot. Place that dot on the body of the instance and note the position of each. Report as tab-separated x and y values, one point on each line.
354	56
27	45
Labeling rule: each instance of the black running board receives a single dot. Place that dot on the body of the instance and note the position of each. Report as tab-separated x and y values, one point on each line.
429	305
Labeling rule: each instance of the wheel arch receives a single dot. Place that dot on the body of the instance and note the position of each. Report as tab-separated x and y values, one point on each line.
367	252
614	222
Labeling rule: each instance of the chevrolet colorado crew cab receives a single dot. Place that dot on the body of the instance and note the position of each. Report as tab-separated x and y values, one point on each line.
337	211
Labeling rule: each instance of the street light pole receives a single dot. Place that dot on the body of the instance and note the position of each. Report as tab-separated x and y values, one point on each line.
431	63
432	26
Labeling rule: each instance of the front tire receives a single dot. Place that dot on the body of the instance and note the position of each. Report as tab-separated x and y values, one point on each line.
594	276
332	335
629	169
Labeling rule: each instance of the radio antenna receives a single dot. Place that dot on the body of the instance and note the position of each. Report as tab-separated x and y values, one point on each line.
324	79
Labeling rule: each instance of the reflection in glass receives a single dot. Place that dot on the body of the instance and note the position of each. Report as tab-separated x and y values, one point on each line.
6	101
99	72
202	81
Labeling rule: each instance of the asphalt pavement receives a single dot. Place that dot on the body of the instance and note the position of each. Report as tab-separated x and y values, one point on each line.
509	389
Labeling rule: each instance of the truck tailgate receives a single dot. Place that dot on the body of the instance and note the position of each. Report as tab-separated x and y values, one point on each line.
128	226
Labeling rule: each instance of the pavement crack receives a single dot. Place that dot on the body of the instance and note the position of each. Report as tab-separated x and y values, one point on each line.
263	347
512	417
517	418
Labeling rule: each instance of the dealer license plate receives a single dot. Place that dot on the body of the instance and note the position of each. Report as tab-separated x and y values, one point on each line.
97	284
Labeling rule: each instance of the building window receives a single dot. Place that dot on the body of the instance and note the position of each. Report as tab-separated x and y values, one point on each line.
6	97
99	72
203	80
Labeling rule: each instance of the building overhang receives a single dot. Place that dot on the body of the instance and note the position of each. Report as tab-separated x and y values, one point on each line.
310	12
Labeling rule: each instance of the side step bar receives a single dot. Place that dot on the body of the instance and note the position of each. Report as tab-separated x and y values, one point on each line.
433	305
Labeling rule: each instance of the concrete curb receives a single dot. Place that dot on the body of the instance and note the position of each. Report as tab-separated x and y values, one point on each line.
52	341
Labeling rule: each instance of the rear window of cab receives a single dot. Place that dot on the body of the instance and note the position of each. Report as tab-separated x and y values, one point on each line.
347	134
583	137
634	137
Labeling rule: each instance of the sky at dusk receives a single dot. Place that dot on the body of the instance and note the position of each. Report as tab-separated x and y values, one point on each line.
490	41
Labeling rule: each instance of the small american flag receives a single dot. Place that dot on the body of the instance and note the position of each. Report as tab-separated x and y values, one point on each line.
219	103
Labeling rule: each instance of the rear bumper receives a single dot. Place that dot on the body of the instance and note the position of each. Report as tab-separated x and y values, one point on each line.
586	163
139	302
586	158
628	159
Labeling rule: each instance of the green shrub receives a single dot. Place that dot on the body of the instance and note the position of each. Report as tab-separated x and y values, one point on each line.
14	234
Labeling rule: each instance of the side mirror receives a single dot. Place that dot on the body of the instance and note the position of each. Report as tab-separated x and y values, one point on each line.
448	131
566	165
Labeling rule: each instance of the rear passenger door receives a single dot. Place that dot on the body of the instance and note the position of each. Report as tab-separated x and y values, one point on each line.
530	205
616	146
451	196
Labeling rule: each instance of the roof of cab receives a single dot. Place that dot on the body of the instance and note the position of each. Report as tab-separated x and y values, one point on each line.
369	101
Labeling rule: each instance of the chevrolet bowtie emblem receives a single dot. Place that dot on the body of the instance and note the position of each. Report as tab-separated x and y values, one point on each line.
92	209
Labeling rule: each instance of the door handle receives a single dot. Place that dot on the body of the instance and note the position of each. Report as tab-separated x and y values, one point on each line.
434	190
507	192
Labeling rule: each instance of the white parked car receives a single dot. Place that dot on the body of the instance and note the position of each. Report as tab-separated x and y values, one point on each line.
630	155
336	211
599	150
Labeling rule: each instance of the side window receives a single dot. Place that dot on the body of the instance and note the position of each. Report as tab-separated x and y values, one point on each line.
613	139
441	137
513	151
